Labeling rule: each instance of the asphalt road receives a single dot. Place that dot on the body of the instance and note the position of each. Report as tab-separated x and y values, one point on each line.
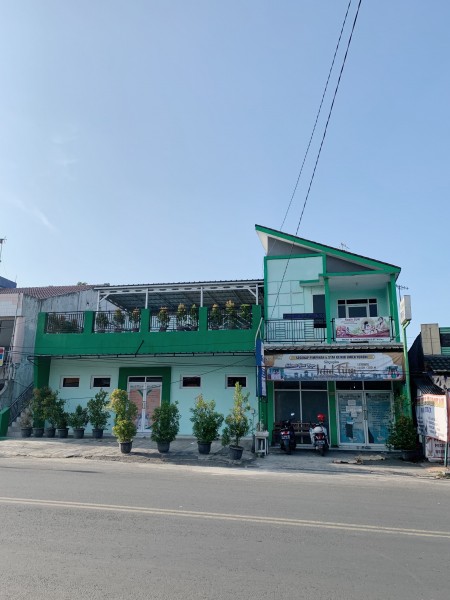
163	532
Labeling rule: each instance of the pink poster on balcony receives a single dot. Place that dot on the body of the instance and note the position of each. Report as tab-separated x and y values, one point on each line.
363	329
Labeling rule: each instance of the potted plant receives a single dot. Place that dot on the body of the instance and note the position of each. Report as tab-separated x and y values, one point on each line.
181	317
206	423
163	318
237	424
37	407
51	408
135	318
215	317
26	422
124	421
166	424
62	430
402	435
193	317
119	319
101	322
245	316
97	414
78	421
231	314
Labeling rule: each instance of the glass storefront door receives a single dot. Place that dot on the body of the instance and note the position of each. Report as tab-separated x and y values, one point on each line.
145	392
363	418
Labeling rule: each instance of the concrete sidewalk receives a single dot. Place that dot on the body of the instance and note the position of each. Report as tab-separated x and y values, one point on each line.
183	451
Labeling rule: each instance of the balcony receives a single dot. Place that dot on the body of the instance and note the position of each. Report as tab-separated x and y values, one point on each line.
120	332
300	331
313	330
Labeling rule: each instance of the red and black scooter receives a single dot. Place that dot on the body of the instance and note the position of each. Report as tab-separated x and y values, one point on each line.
287	436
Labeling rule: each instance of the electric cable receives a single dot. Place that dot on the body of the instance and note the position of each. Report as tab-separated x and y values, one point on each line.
318	153
317	116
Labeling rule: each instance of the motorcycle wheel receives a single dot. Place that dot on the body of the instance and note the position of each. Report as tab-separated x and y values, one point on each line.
322	451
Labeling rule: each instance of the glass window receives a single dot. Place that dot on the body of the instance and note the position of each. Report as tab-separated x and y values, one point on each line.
287	402
233	379
70	382
314	403
349	385
357	308
378	385
101	382
191	382
314	385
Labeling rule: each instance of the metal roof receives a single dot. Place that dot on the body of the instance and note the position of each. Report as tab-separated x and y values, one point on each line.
201	293
426	386
324	348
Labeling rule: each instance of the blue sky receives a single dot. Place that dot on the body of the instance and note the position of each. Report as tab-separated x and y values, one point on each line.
140	141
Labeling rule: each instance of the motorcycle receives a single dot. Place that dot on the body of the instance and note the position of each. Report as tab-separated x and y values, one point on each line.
287	436
319	438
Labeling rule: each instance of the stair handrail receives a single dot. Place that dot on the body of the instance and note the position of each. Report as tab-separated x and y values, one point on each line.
20	403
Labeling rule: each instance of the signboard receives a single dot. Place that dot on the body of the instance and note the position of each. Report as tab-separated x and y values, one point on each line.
261	368
434	449
377	366
405	310
361	329
432	412
2	355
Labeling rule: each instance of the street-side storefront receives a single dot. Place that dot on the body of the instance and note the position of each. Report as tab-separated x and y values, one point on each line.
354	391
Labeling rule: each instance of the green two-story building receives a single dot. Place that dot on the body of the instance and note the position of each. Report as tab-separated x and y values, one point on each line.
320	333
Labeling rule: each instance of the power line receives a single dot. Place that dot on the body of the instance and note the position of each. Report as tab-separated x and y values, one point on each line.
317	116
318	153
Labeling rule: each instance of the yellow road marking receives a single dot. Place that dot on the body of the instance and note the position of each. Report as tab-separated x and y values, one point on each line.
228	517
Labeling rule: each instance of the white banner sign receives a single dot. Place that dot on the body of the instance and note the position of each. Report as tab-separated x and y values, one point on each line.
432	412
362	329
379	366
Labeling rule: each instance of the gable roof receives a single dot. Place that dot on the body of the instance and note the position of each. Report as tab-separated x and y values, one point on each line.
42	293
265	233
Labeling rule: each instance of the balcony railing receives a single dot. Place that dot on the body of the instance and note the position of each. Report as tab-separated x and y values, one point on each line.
117	321
221	318
295	330
64	322
171	321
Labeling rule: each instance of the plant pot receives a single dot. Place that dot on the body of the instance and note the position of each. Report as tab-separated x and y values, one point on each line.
97	433
163	447
204	447
26	431
409	455
236	452
38	432
125	447
78	433
163	328
62	432
50	432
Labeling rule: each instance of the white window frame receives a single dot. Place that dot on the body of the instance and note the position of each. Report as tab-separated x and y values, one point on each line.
61	383
229	387
186	387
350	303
100	377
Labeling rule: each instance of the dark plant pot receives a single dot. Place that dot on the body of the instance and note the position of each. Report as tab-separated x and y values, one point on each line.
50	432
125	447
163	328
62	432
97	433
409	455
236	452
204	447
78	433
26	431
38	431
163	447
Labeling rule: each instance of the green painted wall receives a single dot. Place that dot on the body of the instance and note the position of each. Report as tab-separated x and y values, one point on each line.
4	420
146	342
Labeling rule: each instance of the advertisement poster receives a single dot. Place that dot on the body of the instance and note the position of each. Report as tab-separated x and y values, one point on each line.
362	329
432	412
379	366
261	369
434	449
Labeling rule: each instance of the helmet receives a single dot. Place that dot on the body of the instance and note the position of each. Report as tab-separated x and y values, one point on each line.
321	418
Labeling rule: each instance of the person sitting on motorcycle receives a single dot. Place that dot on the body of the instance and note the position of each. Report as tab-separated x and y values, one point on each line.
315	429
